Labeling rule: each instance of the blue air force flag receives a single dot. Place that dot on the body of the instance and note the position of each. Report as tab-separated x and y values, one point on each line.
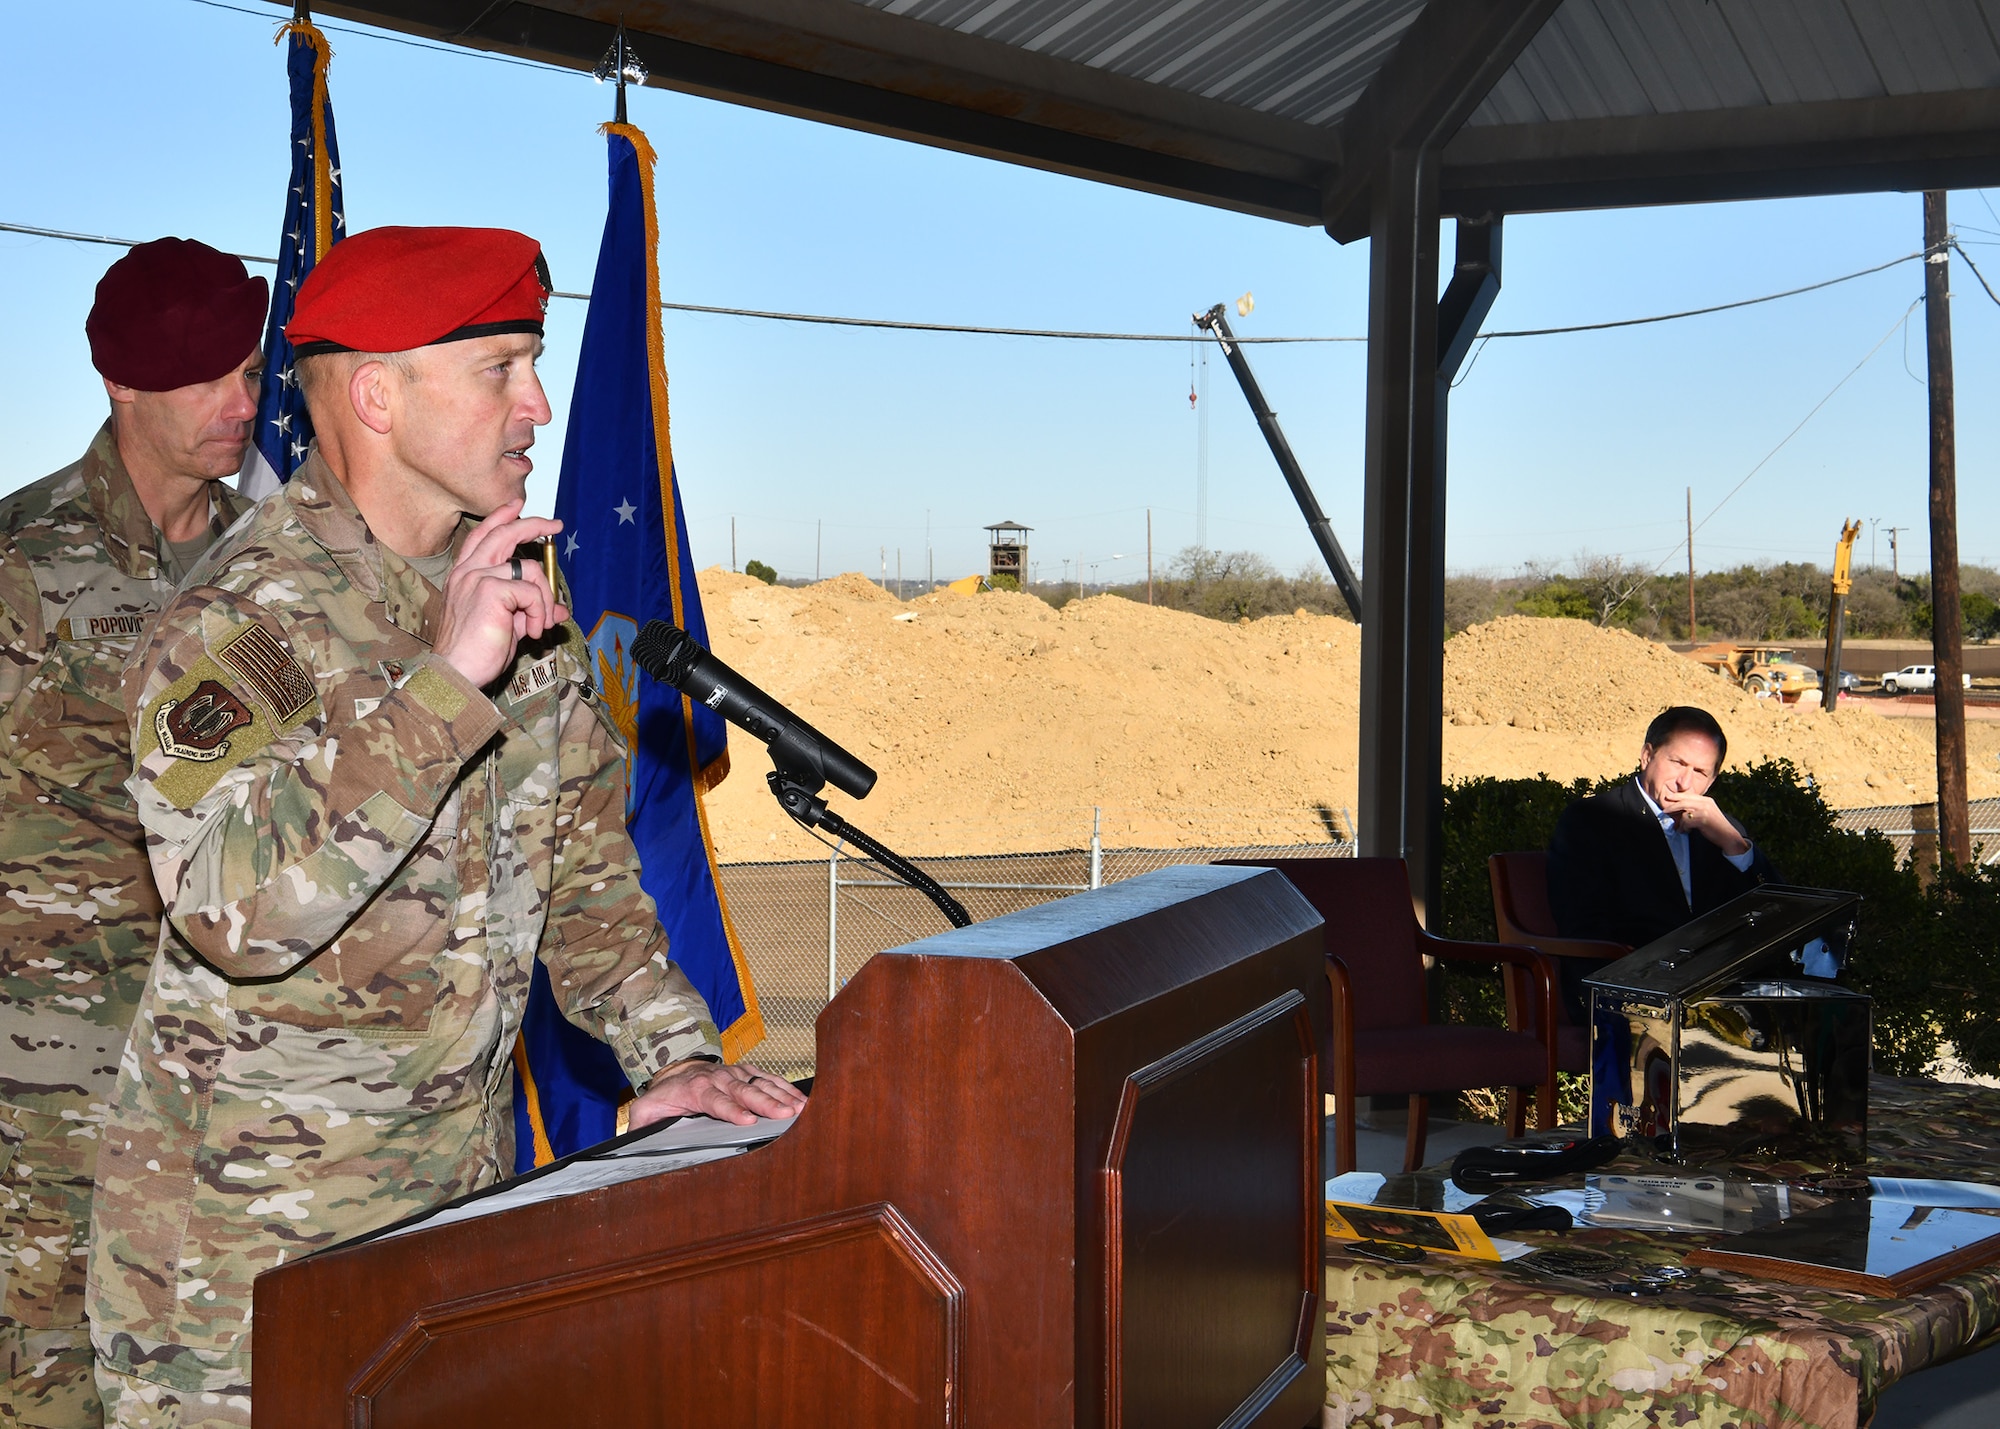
315	220
625	556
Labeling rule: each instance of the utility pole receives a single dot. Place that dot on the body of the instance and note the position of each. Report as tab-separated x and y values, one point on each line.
1690	492
1149	555
1895	562
1947	635
1873	522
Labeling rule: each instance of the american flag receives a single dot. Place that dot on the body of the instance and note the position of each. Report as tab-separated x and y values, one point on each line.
315	220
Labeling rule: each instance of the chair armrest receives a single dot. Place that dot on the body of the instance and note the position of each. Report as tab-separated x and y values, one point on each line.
1539	967
1453	951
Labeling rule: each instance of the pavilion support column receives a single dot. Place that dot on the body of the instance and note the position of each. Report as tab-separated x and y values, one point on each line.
1417	344
1402	526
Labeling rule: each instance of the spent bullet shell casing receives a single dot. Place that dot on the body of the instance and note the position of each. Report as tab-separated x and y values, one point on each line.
549	561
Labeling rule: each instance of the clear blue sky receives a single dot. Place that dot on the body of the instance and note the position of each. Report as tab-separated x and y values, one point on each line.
169	116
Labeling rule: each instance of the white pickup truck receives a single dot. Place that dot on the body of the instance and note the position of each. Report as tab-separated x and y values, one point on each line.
1919	679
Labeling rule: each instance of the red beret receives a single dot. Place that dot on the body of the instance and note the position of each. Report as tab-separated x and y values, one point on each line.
392	289
172	313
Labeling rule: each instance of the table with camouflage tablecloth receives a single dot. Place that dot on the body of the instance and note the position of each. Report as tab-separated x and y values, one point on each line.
1458	1343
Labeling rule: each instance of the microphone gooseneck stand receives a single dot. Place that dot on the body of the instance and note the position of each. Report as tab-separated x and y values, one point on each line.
798	796
804	760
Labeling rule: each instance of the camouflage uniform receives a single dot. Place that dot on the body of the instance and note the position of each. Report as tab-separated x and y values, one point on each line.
80	577
362	854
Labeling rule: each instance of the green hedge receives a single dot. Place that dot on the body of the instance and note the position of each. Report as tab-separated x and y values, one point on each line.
1930	957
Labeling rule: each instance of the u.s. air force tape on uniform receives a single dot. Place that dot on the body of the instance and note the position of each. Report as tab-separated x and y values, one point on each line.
233	701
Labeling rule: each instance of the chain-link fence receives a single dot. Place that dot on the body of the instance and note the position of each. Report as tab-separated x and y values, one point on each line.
807	925
1903	824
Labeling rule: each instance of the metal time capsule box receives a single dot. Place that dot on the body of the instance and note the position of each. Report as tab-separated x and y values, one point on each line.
1714	1043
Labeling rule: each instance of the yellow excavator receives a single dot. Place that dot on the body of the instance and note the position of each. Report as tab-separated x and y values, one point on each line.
1836	614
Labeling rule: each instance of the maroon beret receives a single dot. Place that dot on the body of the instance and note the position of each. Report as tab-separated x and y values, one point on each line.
392	289
172	313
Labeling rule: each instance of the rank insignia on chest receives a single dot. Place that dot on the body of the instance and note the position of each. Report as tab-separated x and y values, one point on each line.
198	727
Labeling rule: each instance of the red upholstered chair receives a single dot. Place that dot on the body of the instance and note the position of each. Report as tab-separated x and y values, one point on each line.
1383	1039
1521	914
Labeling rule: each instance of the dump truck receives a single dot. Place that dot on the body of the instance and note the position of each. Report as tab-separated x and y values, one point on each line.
1765	670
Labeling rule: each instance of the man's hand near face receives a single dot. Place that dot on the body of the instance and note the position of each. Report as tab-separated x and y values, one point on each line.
1699	814
488	610
737	1093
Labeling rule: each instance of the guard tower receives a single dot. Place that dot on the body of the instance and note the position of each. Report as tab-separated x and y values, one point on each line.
1008	546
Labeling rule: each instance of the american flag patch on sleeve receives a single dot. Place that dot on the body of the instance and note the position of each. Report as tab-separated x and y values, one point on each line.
271	671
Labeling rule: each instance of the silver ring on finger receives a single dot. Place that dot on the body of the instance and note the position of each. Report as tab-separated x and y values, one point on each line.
514	567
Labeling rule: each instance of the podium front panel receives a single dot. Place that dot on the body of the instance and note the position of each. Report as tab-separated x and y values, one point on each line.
764	1322
1059	1169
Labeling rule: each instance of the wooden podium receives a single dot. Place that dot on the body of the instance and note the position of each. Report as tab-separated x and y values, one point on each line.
1062	1168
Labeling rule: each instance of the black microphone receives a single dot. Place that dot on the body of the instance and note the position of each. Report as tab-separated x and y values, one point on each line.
674	657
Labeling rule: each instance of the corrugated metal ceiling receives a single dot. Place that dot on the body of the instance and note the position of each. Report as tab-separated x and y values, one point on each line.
1309	60
1612	58
1298	59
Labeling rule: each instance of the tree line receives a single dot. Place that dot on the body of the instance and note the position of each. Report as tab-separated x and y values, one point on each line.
1785	600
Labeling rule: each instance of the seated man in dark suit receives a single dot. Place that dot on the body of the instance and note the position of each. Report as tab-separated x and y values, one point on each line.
1633	864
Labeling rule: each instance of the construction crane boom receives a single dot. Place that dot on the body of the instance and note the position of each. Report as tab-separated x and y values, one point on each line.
1295	477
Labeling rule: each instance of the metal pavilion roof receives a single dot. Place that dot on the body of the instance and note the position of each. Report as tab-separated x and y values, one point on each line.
1598	59
1298	59
1286	107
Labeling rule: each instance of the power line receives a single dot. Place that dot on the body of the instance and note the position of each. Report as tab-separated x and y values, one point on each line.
1975	272
1679	546
464	50
896	325
979	330
710	309
1716	308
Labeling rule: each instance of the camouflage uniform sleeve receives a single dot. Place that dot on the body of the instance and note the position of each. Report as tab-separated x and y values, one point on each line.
605	951
21	633
268	829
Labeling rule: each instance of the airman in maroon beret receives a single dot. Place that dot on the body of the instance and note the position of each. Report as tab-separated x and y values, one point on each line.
87	557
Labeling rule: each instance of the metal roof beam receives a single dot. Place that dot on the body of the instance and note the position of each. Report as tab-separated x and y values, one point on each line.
1442	68
865	69
1908	142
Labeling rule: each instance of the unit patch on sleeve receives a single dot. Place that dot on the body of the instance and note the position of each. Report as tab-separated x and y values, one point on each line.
198	725
219	713
273	672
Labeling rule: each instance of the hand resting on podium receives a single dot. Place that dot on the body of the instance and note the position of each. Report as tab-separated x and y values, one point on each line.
737	1093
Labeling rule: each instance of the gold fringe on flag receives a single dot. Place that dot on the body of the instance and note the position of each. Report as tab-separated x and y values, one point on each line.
310	34
525	1088
748	1030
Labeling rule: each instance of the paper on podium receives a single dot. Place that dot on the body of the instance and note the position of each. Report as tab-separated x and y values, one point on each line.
684	1141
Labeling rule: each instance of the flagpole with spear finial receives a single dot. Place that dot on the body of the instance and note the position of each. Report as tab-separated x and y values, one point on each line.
620	65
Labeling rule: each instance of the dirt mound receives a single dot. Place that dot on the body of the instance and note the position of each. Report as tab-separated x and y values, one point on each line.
997	723
1565	698
1573	678
852	585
